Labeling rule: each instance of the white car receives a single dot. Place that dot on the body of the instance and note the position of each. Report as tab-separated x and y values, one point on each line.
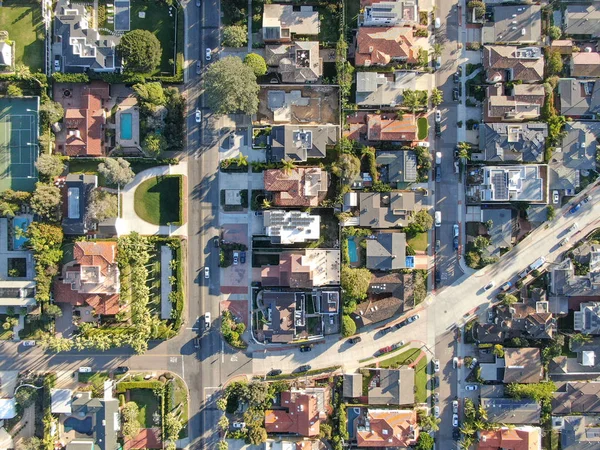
555	197
208	54
565	241
437	23
455	230
455	362
238	425
423	144
438	115
454	420
28	343
436	411
471	387
57	65
436	365
207	320
574	227
85	369
198	116
473	363
235	258
207	272
455	406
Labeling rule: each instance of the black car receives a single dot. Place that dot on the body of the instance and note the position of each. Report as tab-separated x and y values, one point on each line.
304	368
455	94
216	241
197	343
354	340
438	129
122	369
438	276
455	243
274	372
242	257
306	348
455	434
438	174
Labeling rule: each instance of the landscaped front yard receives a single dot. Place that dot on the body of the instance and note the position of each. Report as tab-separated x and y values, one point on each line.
418	242
148	404
158	200
23	21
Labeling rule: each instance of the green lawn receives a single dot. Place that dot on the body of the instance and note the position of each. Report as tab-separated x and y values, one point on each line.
406	358
181	398
92	377
148	404
157	200
23	21
423	126
419	241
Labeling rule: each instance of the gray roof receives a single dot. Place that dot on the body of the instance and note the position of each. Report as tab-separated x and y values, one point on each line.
297	63
79	189
381	89
81	444
502	229
582	20
579	98
387	251
514	24
352	385
577	398
513	141
298	143
107	424
513	183
509	410
579	145
386	210
400	166
587	319
83	47
5	54
393	387
580	433
564	282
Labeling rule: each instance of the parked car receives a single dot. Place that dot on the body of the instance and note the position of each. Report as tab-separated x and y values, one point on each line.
438	129
455	230
413	318
423	144
437	245
455	94
197	343
29	343
473	363
85	369
243	257
436	365
455	434
438	115
437	23
456	77
438	174
207	320
471	387
489	286
438	218
306	348
198	116
235	258
208	54
274	372
354	340
122	369
573	227
303	368
455	406
438	276
455	243
455	420
198	3
198	68
455	362
57	65
207	272
216	241
506	286
575	208
436	411
586	199
565	241
238	425
436	397
490	316
555	197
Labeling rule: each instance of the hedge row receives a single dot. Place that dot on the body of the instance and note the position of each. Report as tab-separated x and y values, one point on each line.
125	386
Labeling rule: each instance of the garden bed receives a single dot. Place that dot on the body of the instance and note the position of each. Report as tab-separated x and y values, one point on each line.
423	128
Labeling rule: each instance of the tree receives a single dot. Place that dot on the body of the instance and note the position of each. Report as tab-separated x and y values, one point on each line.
14	91
481	243
31	443
10	323
436	50
223	423
116	171
550	212
428	422
498	351
150	95
425	442
51	112
173	426
325	430
256	63
141	51
26	396
537	391
355	282
554	32
50	309
154	144
473	259
509	300
129	417
422	221
258	394
231	87
437	97
469	410
464	150
257	435
221	403
554	62
348	326
235	35
222	445
489	224
288	165
45	200
50	165
266	204
414	99
102	205
580	337
346	167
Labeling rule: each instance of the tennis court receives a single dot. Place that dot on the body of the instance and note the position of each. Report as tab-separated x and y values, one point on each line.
18	142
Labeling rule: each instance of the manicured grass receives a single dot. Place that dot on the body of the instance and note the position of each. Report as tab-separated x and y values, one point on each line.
158	199
23	21
352	9
181	398
423	128
92	377
406	358
158	22
418	242
148	404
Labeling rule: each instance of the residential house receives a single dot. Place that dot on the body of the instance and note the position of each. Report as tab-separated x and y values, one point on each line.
582	21
510	410
579	432
8	408
524	103
300	142
302	186
352	385
84	121
511	183
563	46
529	319
60	401
282	22
374	89
397	167
508	63
513	141
76	197
280	312
303	268
91	278
383	127
576	398
392	387
564	284
393	209
587	319
296	63
387	251
290	227
17	293
579	99
387	428
518	438
299	415
388	13
522	365
584	366
514	24
383	45
80	47
585	65
389	295
6	54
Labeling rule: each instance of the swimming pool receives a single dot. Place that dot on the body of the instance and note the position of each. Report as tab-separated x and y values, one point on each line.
126	126
352	250
81	426
19	239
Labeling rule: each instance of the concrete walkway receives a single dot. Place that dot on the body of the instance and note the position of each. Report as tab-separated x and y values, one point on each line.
130	221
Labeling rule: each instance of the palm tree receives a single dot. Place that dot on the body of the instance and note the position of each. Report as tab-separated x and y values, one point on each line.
436	50
288	165
266	204
242	160
464	150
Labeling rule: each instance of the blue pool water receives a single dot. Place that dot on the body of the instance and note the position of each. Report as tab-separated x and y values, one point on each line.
352	414
83	426
352	250
23	224
126	126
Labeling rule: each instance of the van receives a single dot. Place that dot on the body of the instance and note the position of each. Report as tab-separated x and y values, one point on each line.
438	218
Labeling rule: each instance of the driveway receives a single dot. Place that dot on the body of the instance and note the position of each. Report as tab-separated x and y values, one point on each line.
235	278
64	324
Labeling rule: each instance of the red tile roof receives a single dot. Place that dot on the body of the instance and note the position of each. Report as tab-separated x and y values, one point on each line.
85	122
298	187
391	128
381	45
510	439
389	428
301	415
289	272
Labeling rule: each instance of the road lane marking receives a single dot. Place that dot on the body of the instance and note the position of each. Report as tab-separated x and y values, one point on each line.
173	359
234	358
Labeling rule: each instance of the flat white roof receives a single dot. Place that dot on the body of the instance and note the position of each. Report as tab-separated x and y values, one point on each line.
7	408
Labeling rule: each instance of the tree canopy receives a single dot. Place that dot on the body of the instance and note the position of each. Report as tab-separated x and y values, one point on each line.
235	35
116	171
422	221
256	63
231	87
141	51
102	205
45	200
346	167
49	165
154	144
348	326
150	95
355	282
